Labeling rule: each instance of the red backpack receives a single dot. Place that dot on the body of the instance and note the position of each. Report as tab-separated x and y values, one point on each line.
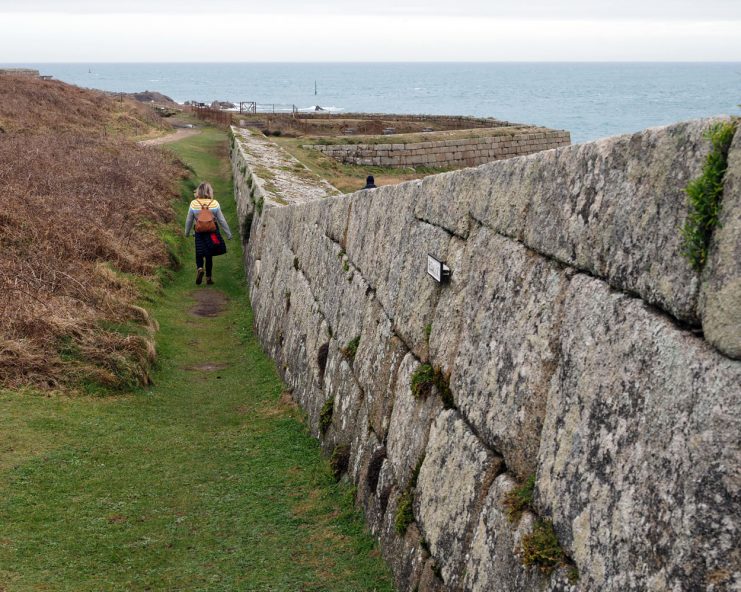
205	221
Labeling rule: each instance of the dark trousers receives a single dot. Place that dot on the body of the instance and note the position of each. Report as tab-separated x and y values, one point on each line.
209	263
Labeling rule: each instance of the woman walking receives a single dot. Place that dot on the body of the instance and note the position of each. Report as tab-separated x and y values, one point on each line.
206	215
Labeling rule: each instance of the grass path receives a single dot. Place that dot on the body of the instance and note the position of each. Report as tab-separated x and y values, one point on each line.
206	481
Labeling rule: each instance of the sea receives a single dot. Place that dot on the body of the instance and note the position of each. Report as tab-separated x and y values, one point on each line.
591	100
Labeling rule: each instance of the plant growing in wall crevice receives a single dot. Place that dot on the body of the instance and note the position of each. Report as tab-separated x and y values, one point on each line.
351	349
325	415
541	548
704	196
404	511
520	499
425	377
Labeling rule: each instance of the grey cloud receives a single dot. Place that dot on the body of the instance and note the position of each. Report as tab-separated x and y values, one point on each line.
532	9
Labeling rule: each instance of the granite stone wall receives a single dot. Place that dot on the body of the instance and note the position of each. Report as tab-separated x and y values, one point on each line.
457	153
573	343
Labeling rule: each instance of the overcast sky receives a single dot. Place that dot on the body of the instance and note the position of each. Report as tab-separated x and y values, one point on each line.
378	30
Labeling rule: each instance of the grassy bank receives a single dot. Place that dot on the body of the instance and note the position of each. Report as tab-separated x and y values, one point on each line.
207	480
350	177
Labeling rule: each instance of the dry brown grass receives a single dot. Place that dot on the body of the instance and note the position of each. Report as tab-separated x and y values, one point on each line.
30	105
81	215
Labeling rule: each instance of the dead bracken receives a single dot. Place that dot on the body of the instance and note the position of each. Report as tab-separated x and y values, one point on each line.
70	318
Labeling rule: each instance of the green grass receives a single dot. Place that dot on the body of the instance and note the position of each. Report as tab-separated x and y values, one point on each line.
206	481
350	177
704	196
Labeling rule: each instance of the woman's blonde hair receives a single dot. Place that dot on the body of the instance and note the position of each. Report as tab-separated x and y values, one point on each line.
204	191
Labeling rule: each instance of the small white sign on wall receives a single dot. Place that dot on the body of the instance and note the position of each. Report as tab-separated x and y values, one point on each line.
438	270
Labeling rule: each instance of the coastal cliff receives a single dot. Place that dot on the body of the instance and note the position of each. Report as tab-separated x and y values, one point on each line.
574	349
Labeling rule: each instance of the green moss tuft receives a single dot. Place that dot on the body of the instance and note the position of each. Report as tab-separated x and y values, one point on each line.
404	511
573	574
541	548
520	499
417	469
425	377
351	349
325	416
704	196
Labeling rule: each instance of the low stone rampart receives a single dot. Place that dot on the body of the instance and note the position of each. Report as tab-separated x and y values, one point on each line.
568	345
454	152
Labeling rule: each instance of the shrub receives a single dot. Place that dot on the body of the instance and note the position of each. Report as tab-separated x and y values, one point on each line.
704	197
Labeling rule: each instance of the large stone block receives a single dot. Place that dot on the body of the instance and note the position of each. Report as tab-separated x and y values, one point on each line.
410	424
721	292
377	233
510	320
403	553
502	201
416	293
444	330
494	562
341	387
376	364
639	462
454	478
616	207
447	199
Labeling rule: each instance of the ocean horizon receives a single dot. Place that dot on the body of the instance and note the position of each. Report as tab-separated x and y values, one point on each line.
589	99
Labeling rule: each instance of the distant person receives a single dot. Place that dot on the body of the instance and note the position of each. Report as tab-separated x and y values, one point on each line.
370	182
207	219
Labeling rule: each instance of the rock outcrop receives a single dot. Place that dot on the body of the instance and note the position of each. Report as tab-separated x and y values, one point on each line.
568	345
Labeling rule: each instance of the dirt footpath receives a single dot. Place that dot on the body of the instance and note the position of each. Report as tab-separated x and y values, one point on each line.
178	135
